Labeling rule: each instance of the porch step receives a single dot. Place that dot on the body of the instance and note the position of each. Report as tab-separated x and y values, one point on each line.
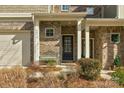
106	74
69	69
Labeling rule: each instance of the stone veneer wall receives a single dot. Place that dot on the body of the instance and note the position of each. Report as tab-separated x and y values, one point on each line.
50	47
105	51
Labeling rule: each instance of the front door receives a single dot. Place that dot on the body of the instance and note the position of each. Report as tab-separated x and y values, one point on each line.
67	47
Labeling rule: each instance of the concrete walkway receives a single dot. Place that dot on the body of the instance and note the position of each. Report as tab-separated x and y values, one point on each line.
106	74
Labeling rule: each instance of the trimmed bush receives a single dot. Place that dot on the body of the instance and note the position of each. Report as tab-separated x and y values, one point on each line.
118	76
13	78
89	68
51	62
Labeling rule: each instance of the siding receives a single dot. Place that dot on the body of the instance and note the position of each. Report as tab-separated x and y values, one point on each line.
110	11
23	8
16	25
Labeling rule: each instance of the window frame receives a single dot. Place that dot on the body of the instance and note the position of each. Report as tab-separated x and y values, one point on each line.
46	32
92	10
111	38
63	9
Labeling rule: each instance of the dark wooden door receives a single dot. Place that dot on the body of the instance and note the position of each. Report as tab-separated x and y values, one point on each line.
67	47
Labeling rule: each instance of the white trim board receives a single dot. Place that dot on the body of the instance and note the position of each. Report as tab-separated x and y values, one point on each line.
15	15
93	44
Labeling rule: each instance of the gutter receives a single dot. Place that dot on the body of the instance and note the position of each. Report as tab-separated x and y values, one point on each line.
17	15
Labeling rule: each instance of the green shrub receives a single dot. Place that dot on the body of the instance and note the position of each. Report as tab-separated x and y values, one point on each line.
117	61
51	62
118	76
90	68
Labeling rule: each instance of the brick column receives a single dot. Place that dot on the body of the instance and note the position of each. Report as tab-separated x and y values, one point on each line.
87	42
36	42
79	41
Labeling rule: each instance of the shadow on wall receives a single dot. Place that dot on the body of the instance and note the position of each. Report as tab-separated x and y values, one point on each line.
83	8
16	25
27	26
78	8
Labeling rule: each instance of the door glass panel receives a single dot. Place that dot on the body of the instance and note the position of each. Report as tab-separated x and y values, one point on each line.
67	44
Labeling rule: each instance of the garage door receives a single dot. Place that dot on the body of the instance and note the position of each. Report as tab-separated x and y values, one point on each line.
14	48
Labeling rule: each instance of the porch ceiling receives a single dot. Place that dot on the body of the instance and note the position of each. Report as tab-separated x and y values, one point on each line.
104	22
60	16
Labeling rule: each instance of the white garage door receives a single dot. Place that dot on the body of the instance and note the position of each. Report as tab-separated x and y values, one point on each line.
14	48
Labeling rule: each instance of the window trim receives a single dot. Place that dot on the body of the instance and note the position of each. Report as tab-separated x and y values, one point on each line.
111	38
46	31
90	8
63	9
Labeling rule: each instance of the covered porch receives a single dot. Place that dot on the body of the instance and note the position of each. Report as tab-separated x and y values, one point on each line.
80	37
64	27
108	39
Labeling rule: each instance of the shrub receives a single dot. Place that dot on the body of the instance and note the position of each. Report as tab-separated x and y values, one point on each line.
90	68
118	76
117	61
51	62
74	81
13	78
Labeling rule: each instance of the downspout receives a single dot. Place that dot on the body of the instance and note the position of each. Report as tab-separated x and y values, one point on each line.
49	8
102	12
117	11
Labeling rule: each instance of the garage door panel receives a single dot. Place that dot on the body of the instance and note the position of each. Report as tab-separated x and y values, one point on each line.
14	48
7	37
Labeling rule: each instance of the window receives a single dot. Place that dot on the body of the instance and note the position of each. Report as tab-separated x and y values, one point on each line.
49	32
65	8
90	10
115	37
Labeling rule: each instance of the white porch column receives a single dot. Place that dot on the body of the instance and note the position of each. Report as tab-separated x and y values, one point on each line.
87	42
79	41
36	41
